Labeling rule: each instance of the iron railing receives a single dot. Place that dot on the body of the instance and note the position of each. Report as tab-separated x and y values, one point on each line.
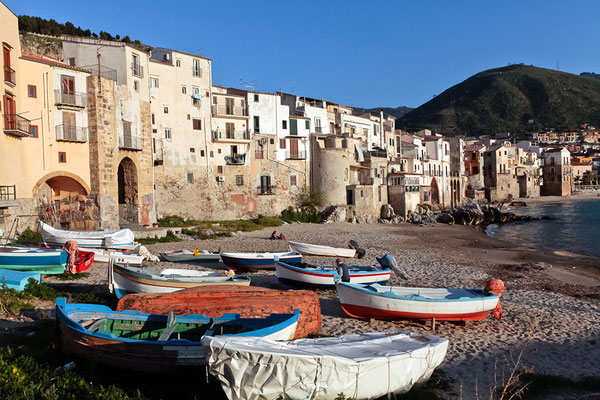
76	99
103	72
71	133
265	190
137	70
10	75
231	135
318	129
229	110
17	125
295	155
8	192
235	159
130	142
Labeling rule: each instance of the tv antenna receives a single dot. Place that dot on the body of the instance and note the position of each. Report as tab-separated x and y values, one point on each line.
247	84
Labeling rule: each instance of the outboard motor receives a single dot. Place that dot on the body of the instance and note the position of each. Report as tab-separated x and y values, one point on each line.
388	261
360	253
343	270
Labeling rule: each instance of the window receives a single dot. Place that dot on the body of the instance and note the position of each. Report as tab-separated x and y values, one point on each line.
239	180
197	124
67	84
282	143
188	117
72	61
284	124
192	150
218	151
293	180
214	99
212	154
33	130
220	169
256	97
196	70
272	141
293	127
307	125
201	153
136	85
256	124
31	91
152	118
167	133
178	62
183	90
318	128
153	82
190	177
62	157
166	109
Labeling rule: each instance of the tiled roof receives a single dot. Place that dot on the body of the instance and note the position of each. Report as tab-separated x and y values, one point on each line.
52	62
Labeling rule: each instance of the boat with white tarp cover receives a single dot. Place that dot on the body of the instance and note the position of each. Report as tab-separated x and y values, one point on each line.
122	238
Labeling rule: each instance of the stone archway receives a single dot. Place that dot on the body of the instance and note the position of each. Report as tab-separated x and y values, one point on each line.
127	178
59	185
435	192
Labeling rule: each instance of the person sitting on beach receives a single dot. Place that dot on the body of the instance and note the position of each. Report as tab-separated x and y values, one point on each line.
274	236
343	270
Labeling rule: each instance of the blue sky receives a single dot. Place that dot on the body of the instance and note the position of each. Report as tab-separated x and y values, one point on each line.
369	54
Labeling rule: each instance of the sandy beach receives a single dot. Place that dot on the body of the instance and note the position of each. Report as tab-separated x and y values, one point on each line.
551	305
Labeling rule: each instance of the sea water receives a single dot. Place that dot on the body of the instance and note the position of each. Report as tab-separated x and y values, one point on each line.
576	228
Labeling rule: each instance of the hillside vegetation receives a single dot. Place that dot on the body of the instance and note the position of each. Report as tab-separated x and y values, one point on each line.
517	99
394	112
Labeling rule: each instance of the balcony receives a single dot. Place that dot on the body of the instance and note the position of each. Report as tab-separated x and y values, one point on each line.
318	129
128	142
137	70
71	133
376	153
74	99
16	125
295	155
236	159
231	136
10	76
265	190
235	111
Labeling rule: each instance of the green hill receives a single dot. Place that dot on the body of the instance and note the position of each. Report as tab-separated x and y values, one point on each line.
394	112
517	99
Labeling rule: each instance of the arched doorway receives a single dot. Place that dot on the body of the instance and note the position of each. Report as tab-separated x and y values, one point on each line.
62	201
435	192
128	191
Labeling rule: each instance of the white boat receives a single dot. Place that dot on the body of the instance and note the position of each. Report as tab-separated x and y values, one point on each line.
390	302
307	249
104	255
121	239
199	256
363	366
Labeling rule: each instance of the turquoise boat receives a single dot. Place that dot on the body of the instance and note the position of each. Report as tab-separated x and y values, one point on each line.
17	279
33	259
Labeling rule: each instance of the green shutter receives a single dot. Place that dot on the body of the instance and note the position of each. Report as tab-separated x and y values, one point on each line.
308	124
293	127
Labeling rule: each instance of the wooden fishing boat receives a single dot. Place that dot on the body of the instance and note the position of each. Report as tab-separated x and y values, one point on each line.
248	301
17	279
194	256
122	238
307	249
132	340
33	259
126	279
104	255
253	261
322	276
389	302
359	366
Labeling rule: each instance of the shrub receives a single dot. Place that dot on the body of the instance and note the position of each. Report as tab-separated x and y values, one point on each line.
29	237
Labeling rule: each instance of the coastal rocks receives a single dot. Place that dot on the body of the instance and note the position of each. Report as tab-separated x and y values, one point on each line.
387	212
473	214
334	214
445	219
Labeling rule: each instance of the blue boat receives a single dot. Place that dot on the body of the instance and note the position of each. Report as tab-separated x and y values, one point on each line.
33	259
133	340
17	279
254	261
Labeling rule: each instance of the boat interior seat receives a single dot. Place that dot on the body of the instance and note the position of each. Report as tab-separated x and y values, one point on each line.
96	325
211	327
171	325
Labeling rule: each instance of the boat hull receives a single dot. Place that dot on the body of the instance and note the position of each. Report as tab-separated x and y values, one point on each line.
104	255
17	279
35	260
191	258
240	262
324	251
294	276
122	238
129	280
362	303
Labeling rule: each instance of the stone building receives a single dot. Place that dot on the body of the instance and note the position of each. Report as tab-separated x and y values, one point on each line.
557	176
528	173
499	173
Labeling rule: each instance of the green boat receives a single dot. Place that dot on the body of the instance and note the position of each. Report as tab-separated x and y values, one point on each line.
33	259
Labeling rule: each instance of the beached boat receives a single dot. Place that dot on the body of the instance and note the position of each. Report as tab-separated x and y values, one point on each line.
253	261
104	255
359	366
248	301
126	279
17	279
122	238
132	340
325	251
322	276
33	259
389	302
194	256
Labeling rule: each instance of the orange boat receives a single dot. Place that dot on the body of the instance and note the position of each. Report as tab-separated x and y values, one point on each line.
216	300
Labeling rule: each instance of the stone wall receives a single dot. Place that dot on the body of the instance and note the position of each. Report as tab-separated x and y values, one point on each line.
558	180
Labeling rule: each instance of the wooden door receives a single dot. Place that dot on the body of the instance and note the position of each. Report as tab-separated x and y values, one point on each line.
294	149
229	106
230	130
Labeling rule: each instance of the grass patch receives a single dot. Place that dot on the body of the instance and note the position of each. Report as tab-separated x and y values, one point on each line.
437	384
308	216
218	229
11	301
29	237
541	386
168	238
67	276
176	221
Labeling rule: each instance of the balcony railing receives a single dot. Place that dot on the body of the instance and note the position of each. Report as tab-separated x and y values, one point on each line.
229	110
75	99
16	125
295	155
265	190
376	153
71	133
318	129
231	135
129	142
10	76
8	192
137	70
236	159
